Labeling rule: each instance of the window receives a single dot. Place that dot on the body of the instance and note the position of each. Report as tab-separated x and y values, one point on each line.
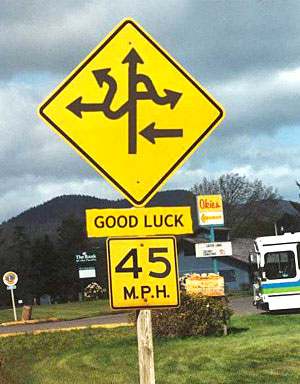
188	249
280	265
298	254
229	275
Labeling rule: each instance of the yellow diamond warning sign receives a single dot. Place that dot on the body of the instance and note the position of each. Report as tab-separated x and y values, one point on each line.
132	112
143	272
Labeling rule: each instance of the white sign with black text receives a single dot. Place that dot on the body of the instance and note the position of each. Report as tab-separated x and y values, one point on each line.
213	249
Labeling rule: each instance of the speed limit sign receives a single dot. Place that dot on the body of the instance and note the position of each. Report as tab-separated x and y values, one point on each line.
143	272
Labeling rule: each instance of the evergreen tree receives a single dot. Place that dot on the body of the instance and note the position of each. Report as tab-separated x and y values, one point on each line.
21	264
71	240
20	245
288	223
45	268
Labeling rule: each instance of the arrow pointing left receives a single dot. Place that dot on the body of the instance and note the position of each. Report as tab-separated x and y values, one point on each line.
151	133
77	107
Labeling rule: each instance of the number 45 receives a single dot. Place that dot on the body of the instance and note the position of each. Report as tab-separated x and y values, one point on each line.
135	269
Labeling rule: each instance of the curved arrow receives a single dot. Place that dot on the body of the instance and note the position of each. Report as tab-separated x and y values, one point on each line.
77	107
130	106
151	133
101	75
171	97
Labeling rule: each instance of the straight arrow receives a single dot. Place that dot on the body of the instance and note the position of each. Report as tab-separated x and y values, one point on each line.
151	133
77	107
132	59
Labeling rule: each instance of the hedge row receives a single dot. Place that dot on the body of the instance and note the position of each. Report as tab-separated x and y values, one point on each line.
197	315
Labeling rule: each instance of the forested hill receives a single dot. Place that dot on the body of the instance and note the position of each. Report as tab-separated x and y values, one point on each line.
46	218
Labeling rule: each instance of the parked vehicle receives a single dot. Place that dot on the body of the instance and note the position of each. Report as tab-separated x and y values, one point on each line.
275	264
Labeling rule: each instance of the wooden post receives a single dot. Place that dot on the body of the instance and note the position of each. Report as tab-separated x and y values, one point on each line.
145	347
26	313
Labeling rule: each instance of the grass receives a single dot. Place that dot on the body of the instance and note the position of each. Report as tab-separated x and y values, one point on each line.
262	349
67	311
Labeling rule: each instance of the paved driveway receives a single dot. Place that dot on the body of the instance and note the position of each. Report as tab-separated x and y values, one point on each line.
241	306
108	319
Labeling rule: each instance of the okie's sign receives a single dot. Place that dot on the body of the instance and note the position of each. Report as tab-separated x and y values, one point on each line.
210	210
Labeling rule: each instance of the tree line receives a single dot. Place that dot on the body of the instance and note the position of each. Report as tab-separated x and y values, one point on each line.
46	265
251	209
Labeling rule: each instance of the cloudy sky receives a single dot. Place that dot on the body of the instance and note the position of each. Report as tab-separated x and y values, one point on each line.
245	52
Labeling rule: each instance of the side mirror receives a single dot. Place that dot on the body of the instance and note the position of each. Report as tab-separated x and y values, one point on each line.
263	275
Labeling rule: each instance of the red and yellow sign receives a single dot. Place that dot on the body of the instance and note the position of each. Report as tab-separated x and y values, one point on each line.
210	210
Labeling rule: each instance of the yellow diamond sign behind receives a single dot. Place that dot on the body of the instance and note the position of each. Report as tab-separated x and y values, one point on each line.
132	112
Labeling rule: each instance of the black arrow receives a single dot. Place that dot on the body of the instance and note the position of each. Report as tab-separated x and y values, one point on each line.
132	59
77	107
151	133
101	75
171	97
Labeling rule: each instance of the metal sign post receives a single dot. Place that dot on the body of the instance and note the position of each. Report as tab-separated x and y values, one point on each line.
215	259
13	302
10	279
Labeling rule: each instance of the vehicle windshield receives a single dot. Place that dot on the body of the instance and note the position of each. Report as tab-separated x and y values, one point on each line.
280	265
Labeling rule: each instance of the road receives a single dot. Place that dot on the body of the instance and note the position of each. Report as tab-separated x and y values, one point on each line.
241	306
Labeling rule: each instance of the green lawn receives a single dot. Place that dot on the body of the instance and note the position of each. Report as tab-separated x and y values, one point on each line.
66	311
260	349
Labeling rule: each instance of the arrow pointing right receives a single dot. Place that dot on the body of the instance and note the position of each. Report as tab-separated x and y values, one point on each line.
151	133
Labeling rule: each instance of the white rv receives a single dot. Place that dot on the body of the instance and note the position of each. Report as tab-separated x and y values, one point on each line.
276	271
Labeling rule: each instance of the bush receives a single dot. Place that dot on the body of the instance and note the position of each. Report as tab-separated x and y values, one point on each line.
94	291
197	315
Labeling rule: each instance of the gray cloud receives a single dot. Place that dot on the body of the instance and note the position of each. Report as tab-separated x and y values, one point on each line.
245	52
214	40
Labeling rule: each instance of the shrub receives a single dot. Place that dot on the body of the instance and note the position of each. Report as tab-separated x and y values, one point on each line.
94	291
197	315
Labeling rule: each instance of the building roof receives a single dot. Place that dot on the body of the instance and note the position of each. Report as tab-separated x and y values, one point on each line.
240	247
196	240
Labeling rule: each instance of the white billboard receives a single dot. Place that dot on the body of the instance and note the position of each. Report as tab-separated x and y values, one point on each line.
85	273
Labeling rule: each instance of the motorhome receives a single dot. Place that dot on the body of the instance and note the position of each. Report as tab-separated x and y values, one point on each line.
275	264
